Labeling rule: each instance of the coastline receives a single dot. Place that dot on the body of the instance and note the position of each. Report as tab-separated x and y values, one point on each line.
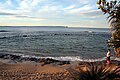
14	67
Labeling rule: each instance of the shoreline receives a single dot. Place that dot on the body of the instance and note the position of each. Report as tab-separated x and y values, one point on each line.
18	59
23	57
15	67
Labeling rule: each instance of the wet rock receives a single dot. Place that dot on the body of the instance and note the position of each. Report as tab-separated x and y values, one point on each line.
24	35
4	31
43	61
1	55
33	59
64	62
15	57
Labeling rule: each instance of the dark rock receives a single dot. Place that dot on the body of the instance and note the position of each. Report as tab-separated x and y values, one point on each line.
4	31
47	61
33	59
1	55
43	61
3	37
24	35
25	59
64	62
6	56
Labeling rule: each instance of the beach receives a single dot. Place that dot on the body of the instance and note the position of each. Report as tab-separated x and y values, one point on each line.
31	70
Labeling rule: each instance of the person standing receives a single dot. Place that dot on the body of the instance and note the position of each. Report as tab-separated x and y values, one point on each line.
108	56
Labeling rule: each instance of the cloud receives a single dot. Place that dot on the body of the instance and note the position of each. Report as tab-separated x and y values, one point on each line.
52	11
30	17
53	7
69	7
24	4
36	2
83	1
75	10
9	2
84	8
29	5
17	16
48	7
6	14
6	4
91	13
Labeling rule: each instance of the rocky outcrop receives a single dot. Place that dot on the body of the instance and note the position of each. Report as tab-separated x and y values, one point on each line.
43	61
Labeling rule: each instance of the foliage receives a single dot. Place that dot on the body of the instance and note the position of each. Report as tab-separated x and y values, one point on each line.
113	9
95	72
114	43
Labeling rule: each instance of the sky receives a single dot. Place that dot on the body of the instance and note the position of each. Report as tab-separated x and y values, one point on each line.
71	13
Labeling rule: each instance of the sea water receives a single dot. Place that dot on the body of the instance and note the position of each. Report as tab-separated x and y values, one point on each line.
58	42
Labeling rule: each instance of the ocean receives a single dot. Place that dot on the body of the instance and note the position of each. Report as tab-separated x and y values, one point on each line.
61	43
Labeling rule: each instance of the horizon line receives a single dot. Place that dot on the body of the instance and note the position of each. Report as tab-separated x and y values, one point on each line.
53	26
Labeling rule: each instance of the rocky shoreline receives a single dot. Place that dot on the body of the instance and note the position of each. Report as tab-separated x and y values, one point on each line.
23	68
44	61
20	58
